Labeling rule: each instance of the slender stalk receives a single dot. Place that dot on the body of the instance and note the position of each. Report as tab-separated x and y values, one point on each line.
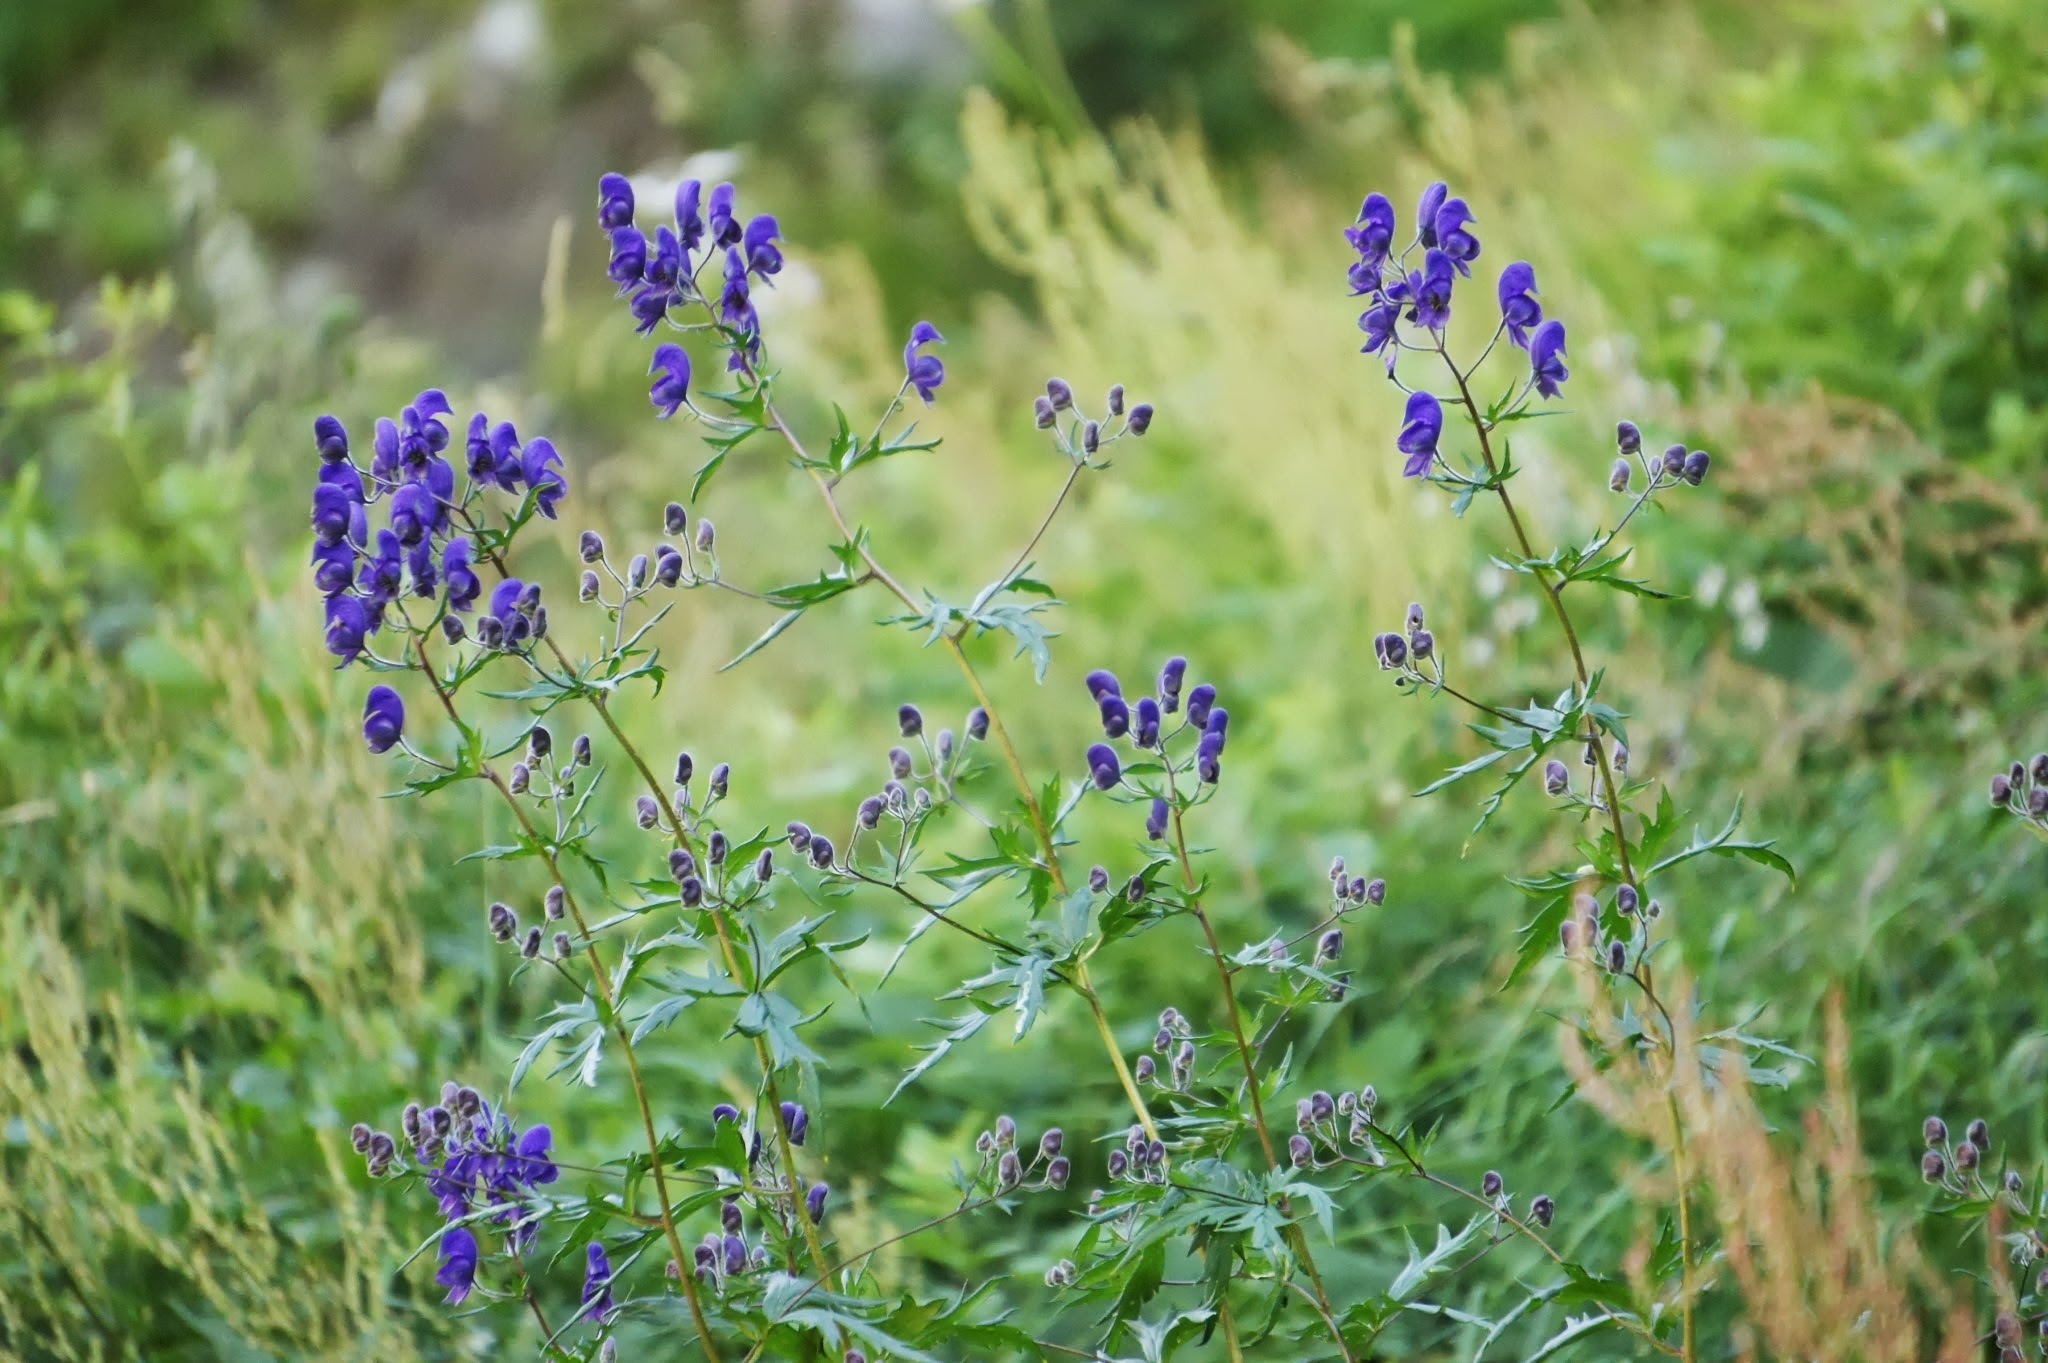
601	977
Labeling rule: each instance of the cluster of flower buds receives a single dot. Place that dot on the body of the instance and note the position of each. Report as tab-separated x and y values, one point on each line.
1581	931
666	566
2022	790
1062	1274
1676	465
1144	723
1140	1159
1960	1167
1003	1168
1082	435
722	1255
1492	1187
471	1159
417	553
1417	294
1353	890
1328	1129
1174	1042
1410	653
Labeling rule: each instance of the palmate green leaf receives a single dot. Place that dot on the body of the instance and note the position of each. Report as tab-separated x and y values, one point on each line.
773	1017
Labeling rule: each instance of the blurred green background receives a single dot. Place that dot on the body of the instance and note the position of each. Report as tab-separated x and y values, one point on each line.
1812	238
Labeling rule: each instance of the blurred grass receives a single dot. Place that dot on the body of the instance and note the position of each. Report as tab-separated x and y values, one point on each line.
212	916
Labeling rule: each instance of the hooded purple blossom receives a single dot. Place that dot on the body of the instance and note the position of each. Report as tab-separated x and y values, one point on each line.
1200	700
665	264
528	1162
649	306
541	466
628	265
1155	820
1546	358
1518	306
736	307
689	221
504	609
419	563
1430	291
384	451
671	388
383	718
1378	324
597	1286
725	229
1451	236
335	511
1373	236
458	1264
757	245
348	625
1426	211
924	372
334	566
463	583
614	201
330	437
1103	767
1420	431
421	432
814	1201
383	572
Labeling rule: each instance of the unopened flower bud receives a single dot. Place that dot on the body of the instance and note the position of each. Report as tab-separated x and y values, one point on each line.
1696	467
814	1201
1321	1105
530	948
1375	892
900	763
1098	880
1332	945
2014	1184
504	922
1042	412
1119	1162
540	622
555	900
359	1137
1300	1152
1391	649
1145	1069
1979	1134
1162	1040
1140	419
1932	1166
1059	393
590	546
707	535
977	724
522	778
668	566
674	518
1490	1184
764	865
1058	1171
1968	1156
691	889
1134	889
647	811
2001	788
1009	1171
1626	899
1934	1131
563	949
452	629
1621	757
1155	1154
1618	477
586	589
1674	460
1542	1210
2037	802
1091	436
1556	778
821	851
1627	438
910	720
1617	956
870	813
944	744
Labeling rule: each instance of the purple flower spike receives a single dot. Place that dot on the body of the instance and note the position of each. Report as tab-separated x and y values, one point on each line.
925	372
458	1264
1518	305
1546	358
671	387
614	201
1451	236
1419	434
383	718
1103	767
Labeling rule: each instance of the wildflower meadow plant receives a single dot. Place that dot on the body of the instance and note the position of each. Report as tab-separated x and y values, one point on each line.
1207	1217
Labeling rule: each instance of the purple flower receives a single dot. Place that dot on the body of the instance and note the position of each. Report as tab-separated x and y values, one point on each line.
1155	820
383	572
421	432
736	304
672	388
1219	725
648	307
1102	682
541	466
334	567
756	245
1209	756
735	1254
1373	236
330	437
1377	322
463	584
334	511
665	262
412	513
348	622
532	1165
1451	236
628	264
383	718
725	230
924	372
1546	362
1103	767
1419	434
597	1286
1145	723
419	561
1430	290
1518	305
504	608
689	222
796	1123
814	1201
1170	678
458	1264
614	201
384	451
1116	716
1426	211
1199	701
